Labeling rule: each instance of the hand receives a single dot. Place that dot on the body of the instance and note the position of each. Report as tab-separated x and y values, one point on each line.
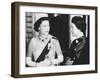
46	62
69	61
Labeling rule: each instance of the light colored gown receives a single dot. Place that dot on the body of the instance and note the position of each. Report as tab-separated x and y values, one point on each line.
36	47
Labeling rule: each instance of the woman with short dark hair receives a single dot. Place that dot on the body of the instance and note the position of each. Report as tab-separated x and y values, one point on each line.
44	47
78	41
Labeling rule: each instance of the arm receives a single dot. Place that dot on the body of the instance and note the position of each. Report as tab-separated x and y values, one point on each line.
29	61
80	45
59	58
75	51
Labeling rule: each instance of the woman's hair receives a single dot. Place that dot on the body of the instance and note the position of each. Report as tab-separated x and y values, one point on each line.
80	23
39	21
77	19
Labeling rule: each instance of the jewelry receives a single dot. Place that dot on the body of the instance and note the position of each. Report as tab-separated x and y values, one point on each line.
42	39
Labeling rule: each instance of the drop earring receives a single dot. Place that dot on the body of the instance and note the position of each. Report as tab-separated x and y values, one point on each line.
39	29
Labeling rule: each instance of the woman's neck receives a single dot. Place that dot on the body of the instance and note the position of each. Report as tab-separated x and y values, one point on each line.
42	37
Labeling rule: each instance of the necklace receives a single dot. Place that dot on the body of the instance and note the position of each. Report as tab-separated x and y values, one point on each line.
42	38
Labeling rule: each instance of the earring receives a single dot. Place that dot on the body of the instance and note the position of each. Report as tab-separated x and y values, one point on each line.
39	29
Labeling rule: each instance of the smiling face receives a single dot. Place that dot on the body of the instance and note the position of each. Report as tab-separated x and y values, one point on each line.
44	27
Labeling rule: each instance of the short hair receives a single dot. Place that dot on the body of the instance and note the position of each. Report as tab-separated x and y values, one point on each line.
80	23
76	19
39	21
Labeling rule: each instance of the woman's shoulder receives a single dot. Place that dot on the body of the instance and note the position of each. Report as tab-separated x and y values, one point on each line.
53	37
33	40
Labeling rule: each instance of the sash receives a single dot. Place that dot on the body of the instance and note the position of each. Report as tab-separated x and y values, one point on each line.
44	52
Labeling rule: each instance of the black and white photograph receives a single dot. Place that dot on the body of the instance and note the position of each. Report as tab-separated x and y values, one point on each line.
56	39
51	39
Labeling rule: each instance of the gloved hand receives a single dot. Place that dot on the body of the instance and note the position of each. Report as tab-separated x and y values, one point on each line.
69	61
44	63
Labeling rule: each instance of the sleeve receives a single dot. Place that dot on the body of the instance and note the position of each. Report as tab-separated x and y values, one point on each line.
59	58
29	61
80	45
76	47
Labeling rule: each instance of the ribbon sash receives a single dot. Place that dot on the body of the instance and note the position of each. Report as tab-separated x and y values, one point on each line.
43	53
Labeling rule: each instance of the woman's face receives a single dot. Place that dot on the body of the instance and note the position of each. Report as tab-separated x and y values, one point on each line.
44	27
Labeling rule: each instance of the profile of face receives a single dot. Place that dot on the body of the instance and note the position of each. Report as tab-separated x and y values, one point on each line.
44	27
